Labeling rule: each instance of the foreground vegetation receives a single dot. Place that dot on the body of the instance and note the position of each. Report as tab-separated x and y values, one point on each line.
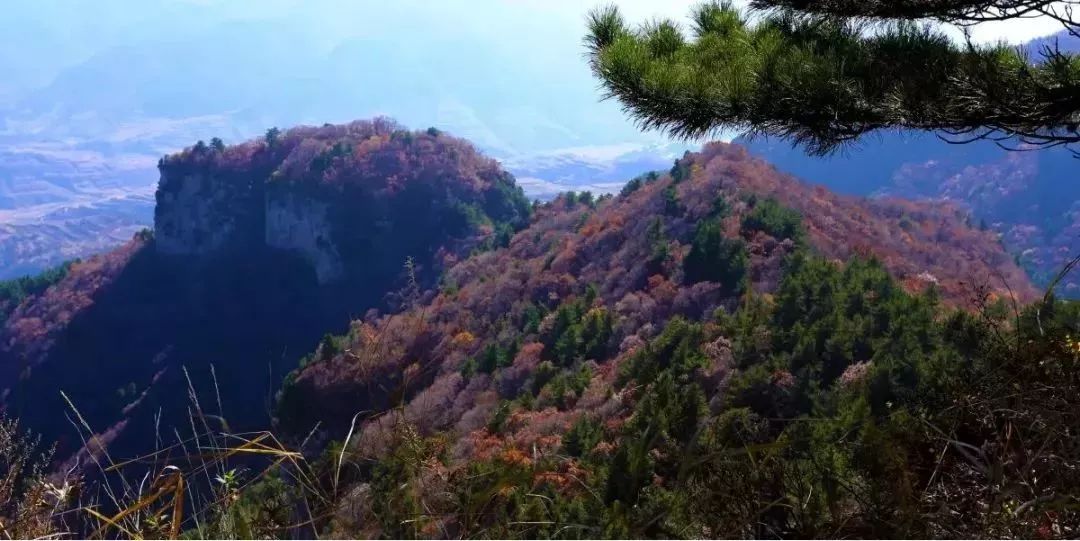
948	424
955	425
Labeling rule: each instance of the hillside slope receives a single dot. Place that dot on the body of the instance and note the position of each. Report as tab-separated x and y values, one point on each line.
611	368
627	265
1031	199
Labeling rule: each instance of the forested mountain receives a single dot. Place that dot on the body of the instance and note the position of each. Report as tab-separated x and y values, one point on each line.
677	245
1030	198
620	355
566	316
394	291
258	250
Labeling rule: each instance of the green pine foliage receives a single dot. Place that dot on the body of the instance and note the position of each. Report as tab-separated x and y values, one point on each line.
769	216
715	258
660	246
631	187
580	331
13	291
678	349
815	74
672	207
583	437
494	357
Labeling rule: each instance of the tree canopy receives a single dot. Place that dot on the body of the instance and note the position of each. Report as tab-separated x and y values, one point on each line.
822	73
953	11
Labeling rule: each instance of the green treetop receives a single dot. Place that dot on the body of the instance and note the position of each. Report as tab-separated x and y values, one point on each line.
824	72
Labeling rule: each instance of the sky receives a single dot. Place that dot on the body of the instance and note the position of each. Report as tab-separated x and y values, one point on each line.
1015	31
510	74
38	38
566	17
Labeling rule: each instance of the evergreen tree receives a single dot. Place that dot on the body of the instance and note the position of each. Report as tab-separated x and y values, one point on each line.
273	135
811	72
716	259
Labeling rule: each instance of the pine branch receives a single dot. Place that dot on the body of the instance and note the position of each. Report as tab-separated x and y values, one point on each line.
822	81
955	11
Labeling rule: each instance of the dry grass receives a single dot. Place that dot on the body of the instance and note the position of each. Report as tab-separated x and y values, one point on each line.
209	484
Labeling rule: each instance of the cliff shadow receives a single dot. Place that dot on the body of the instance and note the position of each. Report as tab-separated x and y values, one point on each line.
228	328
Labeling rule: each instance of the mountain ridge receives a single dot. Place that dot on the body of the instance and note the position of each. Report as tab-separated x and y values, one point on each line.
362	289
272	225
570	246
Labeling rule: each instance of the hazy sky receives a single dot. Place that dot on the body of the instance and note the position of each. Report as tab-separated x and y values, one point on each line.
491	69
566	16
639	10
39	37
550	18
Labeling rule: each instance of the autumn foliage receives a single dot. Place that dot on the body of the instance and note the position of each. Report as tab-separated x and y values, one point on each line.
123	333
627	258
574	352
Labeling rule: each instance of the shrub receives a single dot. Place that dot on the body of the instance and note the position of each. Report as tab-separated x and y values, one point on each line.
770	217
631	187
715	258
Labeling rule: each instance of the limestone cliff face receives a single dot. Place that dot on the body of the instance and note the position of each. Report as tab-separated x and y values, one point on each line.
205	213
301	225
354	202
200	213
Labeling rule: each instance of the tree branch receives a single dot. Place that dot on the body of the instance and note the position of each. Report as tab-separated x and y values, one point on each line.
822	82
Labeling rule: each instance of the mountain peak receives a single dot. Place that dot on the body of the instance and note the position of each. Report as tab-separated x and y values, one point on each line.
259	249
308	189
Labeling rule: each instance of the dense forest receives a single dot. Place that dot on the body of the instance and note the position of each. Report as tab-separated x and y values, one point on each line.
719	350
841	406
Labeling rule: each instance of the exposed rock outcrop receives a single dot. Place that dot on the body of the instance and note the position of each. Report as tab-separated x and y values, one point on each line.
302	225
200	213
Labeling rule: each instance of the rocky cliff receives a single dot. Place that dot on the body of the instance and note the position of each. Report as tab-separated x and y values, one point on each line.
259	250
339	197
302	226
202	214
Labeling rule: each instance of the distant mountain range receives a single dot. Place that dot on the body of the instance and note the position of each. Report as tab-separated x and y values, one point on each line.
94	128
80	136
